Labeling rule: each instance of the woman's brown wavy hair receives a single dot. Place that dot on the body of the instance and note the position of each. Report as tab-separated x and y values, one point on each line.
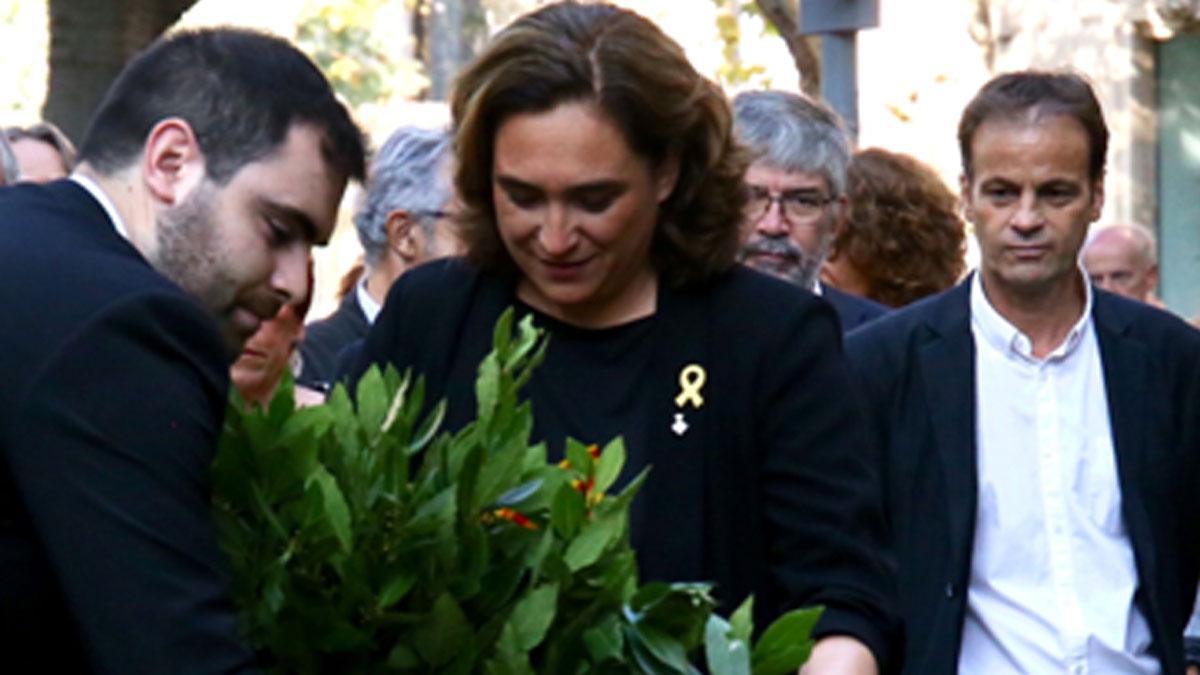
623	64
904	235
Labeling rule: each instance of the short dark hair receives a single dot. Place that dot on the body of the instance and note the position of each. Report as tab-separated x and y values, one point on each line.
1043	94
642	81
240	90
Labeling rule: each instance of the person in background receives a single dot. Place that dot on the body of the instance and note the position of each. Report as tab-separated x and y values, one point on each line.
797	193
270	352
9	170
1123	259
127	290
405	218
1040	440
904	239
43	152
602	192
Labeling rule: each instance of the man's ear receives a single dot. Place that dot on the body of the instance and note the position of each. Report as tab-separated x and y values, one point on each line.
172	163
1097	205
964	197
401	237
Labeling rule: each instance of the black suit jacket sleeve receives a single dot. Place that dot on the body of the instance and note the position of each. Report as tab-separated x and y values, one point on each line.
111	463
821	495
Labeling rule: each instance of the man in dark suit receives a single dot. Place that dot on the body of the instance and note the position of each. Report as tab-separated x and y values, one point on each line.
127	289
405	220
1039	436
797	186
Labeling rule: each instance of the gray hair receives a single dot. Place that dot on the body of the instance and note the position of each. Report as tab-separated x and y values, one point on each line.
793	133
409	172
49	134
9	171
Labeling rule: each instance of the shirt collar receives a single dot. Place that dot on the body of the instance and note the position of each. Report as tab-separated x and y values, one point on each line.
1006	338
816	289
99	195
369	307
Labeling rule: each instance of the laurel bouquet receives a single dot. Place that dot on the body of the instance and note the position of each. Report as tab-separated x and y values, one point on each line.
363	539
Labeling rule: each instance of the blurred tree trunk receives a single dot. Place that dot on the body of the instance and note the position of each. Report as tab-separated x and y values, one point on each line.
781	14
90	41
448	34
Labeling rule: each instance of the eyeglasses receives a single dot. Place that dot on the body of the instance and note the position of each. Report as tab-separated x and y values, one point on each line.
432	213
795	205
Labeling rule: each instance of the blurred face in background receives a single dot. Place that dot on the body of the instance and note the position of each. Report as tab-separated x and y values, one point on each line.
259	368
39	161
790	222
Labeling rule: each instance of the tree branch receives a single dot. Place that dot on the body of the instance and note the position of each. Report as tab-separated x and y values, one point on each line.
788	26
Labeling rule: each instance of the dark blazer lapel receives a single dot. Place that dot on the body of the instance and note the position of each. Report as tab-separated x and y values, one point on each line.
946	361
1126	365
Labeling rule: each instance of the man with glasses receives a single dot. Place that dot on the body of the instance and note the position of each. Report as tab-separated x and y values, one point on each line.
797	198
404	220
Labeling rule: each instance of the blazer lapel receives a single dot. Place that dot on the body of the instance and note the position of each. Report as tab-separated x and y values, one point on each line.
1126	366
947	369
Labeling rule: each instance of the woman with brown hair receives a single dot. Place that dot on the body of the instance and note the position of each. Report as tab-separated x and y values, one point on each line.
904	238
602	194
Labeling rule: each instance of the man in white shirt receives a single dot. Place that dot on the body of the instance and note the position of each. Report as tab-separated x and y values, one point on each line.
1038	437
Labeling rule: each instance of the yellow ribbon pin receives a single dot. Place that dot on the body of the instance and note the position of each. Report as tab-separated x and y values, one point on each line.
691	381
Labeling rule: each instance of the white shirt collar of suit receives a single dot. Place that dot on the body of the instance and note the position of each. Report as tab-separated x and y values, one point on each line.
99	195
1004	336
370	308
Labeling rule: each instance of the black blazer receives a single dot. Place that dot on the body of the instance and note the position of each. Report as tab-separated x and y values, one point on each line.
324	341
767	493
114	390
852	310
917	367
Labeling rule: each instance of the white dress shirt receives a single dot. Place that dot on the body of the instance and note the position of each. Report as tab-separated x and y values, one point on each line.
105	203
1052	573
369	307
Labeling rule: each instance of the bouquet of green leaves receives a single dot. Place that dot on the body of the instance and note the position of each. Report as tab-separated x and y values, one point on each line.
364	540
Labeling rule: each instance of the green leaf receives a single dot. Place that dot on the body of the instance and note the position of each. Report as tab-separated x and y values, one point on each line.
608	467
579	457
444	632
336	511
487	387
503	334
787	643
656	652
724	654
373	401
741	623
396	589
604	641
597	536
520	493
567	512
532	616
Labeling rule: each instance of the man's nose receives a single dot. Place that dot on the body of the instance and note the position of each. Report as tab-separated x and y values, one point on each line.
290	279
772	222
1028	216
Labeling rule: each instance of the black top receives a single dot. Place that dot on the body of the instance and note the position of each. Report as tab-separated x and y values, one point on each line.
114	390
590	387
768	491
853	311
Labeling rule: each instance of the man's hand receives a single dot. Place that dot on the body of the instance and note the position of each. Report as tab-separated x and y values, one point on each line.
842	655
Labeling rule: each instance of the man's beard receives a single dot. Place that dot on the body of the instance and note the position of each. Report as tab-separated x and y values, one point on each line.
785	259
190	253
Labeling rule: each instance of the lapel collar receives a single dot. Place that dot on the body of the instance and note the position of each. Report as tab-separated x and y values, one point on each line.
1126	366
946	357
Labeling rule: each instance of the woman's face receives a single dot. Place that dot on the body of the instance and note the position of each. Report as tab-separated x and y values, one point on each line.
577	208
